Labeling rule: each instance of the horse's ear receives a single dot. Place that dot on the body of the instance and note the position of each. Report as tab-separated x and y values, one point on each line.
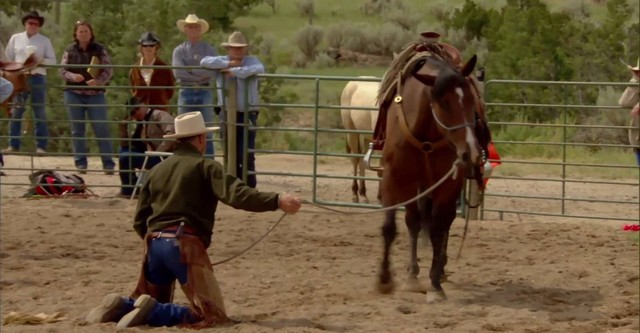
426	79
395	55
468	67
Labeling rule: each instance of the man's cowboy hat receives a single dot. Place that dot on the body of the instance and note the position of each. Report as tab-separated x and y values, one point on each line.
236	39
193	19
33	15
189	124
148	38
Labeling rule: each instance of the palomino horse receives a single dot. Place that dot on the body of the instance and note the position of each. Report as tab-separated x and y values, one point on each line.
359	94
16	73
435	105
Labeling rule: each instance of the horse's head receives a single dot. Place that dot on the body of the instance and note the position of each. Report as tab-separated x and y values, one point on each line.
453	107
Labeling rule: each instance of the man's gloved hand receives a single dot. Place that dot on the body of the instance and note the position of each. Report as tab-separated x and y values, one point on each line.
288	203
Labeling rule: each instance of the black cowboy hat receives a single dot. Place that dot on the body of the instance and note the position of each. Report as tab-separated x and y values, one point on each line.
148	38
33	15
133	104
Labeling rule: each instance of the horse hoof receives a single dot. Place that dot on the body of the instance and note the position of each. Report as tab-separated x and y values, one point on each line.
413	285
365	200
386	288
436	296
354	199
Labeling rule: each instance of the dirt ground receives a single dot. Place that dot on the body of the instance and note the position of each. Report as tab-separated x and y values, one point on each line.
316	272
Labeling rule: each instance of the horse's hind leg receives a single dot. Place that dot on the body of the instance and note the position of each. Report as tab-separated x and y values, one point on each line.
385	282
352	141
363	188
413	222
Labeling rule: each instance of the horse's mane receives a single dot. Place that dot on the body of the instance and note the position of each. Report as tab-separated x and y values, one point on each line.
409	55
397	65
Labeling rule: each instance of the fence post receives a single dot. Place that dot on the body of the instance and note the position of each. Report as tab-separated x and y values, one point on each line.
232	110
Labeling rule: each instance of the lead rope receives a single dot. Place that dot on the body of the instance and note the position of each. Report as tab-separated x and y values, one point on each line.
452	172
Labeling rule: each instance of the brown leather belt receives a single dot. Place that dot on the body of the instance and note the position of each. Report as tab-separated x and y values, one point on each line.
160	234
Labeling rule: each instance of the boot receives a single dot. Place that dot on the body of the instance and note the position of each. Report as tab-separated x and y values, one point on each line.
143	307
113	307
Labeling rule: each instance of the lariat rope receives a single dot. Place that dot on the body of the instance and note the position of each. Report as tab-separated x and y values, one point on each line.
453	172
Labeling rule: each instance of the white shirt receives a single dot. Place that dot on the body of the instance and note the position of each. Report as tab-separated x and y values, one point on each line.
17	50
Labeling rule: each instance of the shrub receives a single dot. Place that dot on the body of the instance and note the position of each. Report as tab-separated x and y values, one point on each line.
307	39
307	8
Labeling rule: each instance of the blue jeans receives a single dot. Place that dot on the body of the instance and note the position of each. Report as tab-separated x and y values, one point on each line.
92	107
162	268
38	95
638	156
199	99
129	160
251	145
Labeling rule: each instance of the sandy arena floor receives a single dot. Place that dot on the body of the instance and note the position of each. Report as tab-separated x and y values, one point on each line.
316	271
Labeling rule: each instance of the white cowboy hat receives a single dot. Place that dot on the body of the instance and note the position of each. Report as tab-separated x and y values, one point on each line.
236	39
189	124
193	19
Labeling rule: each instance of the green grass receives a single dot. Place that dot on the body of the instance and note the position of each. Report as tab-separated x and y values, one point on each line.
288	19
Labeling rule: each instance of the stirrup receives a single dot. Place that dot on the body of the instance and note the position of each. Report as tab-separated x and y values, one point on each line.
367	159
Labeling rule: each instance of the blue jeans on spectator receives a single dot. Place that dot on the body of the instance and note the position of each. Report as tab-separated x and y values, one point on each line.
199	99
94	108
38	94
251	145
128	160
637	156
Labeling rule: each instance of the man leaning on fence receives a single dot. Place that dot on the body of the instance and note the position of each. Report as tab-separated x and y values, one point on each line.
151	125
175	218
240	69
195	92
19	48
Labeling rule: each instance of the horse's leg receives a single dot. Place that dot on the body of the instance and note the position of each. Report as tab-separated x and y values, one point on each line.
385	282
438	233
413	222
352	141
363	188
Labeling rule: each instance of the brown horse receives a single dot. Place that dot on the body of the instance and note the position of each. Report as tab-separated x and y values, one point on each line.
435	105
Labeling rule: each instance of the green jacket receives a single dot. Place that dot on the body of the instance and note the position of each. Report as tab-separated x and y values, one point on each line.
186	186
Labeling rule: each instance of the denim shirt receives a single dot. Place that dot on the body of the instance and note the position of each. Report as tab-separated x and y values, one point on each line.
244	75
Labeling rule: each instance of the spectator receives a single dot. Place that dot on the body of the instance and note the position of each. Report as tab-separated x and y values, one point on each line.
141	78
631	99
83	102
153	124
194	93
19	48
242	68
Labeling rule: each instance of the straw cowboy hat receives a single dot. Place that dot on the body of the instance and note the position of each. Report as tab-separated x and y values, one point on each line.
189	124
193	19
236	39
